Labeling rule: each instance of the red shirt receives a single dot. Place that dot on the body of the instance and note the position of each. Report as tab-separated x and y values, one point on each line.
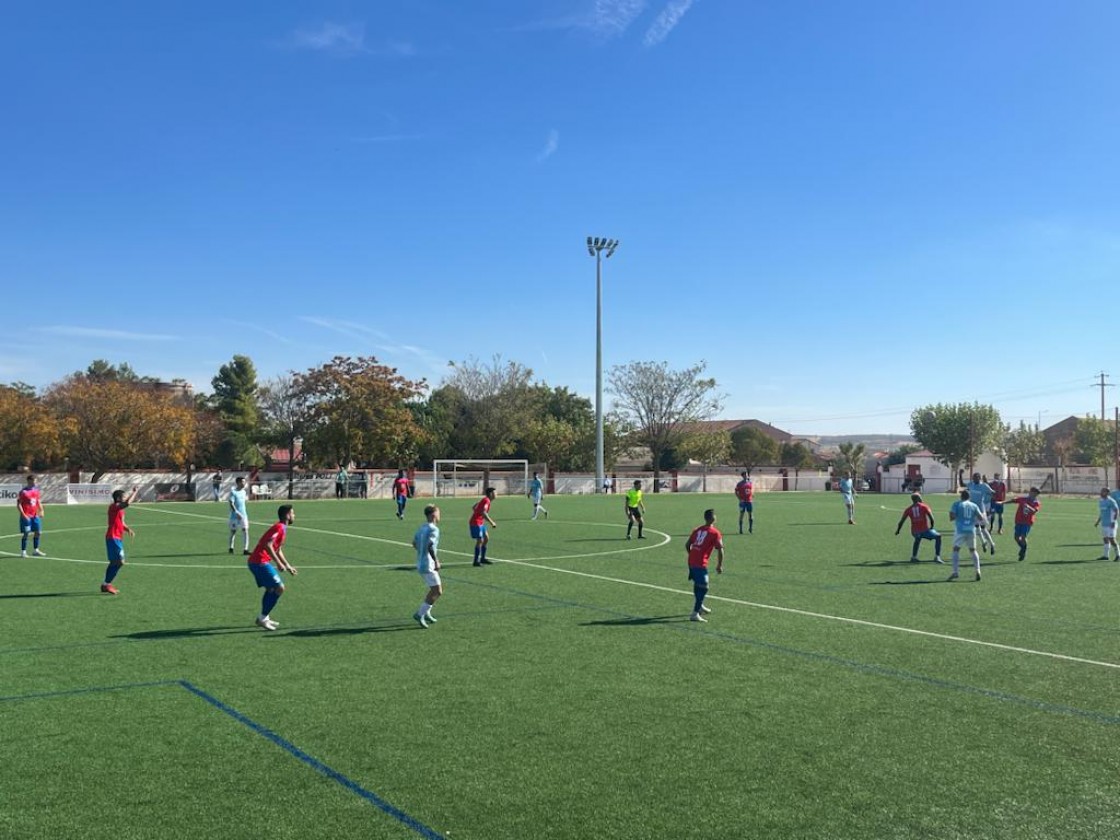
29	503
921	517
1027	510
999	491
273	537
480	509
702	542
116	521
745	490
400	487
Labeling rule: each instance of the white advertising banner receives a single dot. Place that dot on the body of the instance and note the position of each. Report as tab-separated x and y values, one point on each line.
89	494
9	493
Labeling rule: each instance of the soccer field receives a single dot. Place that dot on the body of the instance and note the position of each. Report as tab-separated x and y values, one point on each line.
837	691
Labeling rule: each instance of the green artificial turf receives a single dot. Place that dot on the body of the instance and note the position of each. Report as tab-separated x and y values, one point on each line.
837	691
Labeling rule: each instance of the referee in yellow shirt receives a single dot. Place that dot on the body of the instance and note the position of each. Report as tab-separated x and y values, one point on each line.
634	509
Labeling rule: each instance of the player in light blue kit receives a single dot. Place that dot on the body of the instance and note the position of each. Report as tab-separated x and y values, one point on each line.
848	491
966	517
1109	512
426	543
238	514
980	492
536	492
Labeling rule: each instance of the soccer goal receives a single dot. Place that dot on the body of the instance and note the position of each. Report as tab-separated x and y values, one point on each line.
508	477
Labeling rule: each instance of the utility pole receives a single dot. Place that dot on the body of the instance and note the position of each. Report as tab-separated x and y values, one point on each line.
1102	385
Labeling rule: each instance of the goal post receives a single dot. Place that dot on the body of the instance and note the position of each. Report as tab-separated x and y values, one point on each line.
508	476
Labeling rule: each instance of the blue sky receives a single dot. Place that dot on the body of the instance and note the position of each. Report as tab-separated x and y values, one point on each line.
847	209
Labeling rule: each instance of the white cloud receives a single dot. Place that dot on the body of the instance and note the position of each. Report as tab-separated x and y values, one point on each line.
550	146
92	332
613	17
666	22
343	39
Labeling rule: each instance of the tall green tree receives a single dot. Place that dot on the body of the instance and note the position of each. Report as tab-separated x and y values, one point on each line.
1024	445
796	455
358	411
496	404
659	404
751	447
1095	442
286	414
236	396
709	448
957	434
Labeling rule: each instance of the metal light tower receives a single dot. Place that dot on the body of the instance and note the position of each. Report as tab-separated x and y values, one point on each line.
595	247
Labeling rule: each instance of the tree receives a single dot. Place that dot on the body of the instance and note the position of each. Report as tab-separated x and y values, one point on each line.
898	456
496	405
660	404
286	415
709	448
751	446
236	396
358	411
796	455
30	435
851	458
1024	445
102	371
1095	442
956	434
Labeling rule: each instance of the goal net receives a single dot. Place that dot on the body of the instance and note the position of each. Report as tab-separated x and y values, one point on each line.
509	477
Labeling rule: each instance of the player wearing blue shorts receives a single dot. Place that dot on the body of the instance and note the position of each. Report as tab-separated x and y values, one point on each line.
30	505
114	536
921	527
270	551
480	517
1026	509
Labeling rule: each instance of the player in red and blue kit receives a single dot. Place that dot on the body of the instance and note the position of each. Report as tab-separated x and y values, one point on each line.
999	497
1026	509
921	527
270	550
744	491
114	536
400	492
30	505
480	516
700	545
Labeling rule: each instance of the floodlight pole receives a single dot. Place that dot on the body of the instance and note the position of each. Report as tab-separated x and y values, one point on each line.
595	247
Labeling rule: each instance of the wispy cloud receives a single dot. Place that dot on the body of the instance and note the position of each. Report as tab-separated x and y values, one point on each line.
346	328
338	38
247	325
613	17
550	146
666	22
93	332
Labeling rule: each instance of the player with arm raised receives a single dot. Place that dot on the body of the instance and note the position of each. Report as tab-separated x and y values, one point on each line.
921	527
114	537
1026	509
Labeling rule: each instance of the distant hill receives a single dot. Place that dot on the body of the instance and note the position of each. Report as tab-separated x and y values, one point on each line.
873	442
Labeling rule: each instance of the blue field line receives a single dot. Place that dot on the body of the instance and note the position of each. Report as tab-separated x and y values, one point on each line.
851	664
315	764
290	748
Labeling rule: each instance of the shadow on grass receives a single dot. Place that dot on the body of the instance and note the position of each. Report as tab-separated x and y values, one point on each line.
1078	545
1072	562
187	632
815	524
908	582
635	621
52	595
317	632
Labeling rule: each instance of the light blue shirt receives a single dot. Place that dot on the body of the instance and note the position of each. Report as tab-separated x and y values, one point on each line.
981	494
1109	509
846	486
237	503
536	488
427	537
966	516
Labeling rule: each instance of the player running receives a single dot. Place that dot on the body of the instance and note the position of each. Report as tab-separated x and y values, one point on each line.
480	517
1026	509
980	493
999	496
270	551
29	502
921	527
700	545
744	491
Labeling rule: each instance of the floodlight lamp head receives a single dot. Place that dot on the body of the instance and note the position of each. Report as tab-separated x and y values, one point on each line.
611	246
